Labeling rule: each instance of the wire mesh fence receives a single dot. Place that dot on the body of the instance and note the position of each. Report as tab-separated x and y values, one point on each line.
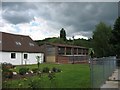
101	69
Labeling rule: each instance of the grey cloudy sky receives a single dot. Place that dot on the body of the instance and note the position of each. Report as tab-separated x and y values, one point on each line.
45	19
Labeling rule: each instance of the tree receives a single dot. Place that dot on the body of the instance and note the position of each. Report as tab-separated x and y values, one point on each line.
115	39
63	34
101	38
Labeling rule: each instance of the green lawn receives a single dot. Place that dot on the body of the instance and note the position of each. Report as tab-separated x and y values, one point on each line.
72	76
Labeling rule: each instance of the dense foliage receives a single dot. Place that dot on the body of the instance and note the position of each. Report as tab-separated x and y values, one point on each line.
6	70
101	40
63	34
23	71
45	70
115	39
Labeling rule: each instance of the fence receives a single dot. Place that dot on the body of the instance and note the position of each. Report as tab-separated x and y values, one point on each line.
78	57
101	69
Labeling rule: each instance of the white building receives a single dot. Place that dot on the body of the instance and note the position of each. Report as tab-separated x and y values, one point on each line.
19	49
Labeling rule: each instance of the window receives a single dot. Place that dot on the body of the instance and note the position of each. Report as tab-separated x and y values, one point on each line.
80	51
61	50
25	56
31	44
18	43
84	51
13	55
75	51
68	51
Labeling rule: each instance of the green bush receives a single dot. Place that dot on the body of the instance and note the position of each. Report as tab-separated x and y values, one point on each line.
54	69
7	73
59	70
45	70
6	70
6	66
23	71
35	70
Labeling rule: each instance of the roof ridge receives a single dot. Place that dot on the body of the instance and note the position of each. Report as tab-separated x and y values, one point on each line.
14	34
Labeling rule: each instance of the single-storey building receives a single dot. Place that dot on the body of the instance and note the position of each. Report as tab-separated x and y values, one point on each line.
19	49
61	53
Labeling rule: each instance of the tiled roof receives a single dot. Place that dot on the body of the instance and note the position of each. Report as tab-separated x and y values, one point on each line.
17	43
65	45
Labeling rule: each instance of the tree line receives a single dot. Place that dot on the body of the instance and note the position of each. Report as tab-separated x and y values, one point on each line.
105	40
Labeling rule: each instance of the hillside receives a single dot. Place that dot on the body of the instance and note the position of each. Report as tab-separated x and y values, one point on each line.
78	42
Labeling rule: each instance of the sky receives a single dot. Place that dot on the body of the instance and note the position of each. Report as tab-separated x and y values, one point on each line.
41	20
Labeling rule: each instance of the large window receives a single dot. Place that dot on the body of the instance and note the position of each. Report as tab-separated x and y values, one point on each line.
25	56
75	51
61	50
13	55
84	52
68	51
80	51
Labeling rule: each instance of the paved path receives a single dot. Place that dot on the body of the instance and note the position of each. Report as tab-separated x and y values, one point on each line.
113	82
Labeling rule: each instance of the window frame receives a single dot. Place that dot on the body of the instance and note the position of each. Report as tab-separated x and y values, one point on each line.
24	57
13	56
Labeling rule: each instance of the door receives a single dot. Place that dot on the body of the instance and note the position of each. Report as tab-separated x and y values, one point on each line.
24	58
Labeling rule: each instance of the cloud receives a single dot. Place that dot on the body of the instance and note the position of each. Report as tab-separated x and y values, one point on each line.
16	13
44	19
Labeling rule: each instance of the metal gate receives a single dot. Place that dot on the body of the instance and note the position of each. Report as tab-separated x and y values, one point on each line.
101	69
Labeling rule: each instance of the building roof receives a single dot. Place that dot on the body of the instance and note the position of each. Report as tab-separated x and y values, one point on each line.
65	45
17	43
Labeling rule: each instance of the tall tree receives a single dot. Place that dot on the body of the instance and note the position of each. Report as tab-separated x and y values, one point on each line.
63	34
101	37
116	36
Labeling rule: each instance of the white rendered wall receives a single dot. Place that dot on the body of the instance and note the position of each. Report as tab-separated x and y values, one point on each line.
32	58
6	57
19	60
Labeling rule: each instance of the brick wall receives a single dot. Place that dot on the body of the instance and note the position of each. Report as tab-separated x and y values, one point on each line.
69	59
63	59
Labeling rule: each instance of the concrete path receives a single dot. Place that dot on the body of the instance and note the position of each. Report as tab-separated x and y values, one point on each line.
113	82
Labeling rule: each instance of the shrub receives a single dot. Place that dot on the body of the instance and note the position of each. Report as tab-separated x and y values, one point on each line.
35	83
35	70
7	73
59	70
6	70
54	69
45	70
23	71
6	66
51	75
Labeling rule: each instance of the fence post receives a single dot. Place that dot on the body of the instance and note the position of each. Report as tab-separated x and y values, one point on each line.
91	71
103	70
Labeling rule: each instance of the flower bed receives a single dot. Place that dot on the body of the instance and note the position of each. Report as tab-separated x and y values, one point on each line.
9	72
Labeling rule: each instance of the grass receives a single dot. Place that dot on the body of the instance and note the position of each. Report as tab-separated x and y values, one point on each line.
72	76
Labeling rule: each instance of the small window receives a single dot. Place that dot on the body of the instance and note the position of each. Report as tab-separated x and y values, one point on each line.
25	56
13	55
31	44
18	43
